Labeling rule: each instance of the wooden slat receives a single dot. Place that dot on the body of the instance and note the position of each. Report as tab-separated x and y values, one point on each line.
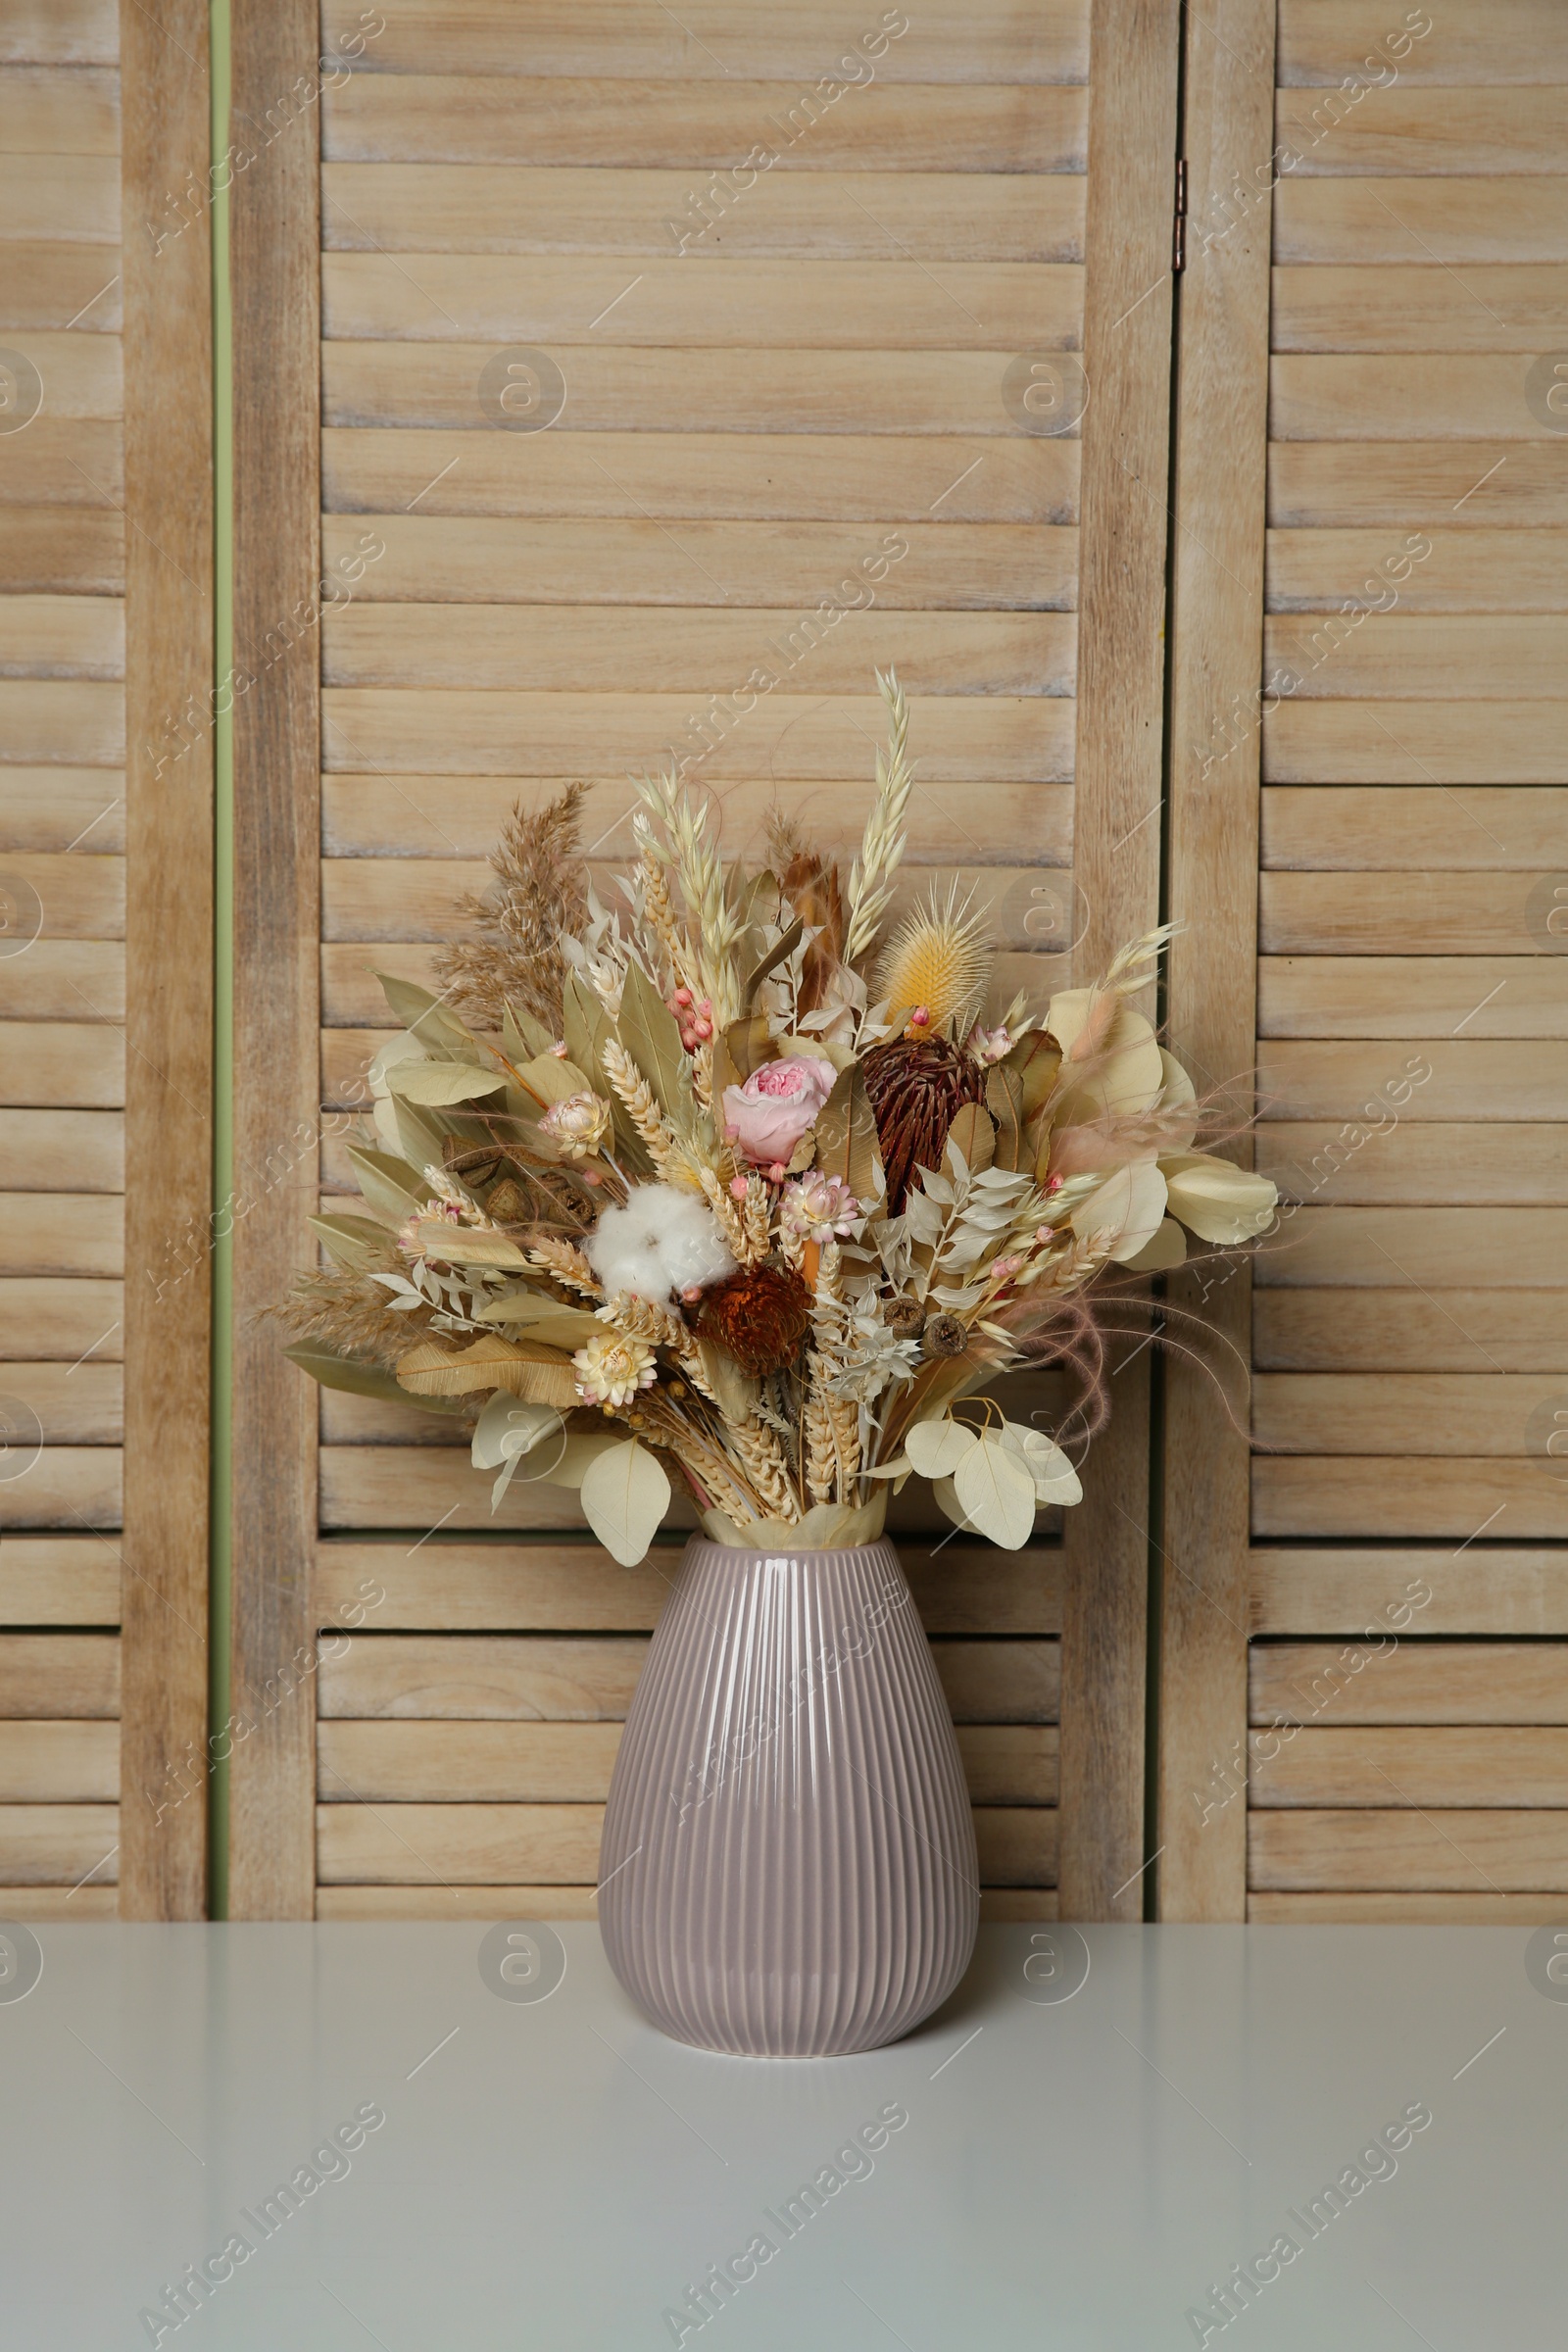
1218	596
1408	828
59	1579
892	305
1313	1080
1489	1166
477	1763
74	464
1506	41
1135	52
1402	397
60	980
579	648
1422	1910
459	118
37	1148
78	723
1397	996
1420	657
1466	570
473	1587
65	1486
1411	1414
1418	483
45	1677
1424	914
62	637
56	284
51	807
35	1904
1483	1765
1401	219
60	197
49	111
1019	1845
1009	1763
531	1845
759	391
1016	738
706	476
1444	1248
58	1845
1463	1852
478	208
1315	1494
983	40
424	817
82	896
362	1902
482	1677
1409	1330
59	1763
1415	1682
74	553
62	1319
364	1486
1486	1589
84	377
275	239
1392	309
494	560
60	32
1472	129
66	1063
1308	742
78	1405
166	135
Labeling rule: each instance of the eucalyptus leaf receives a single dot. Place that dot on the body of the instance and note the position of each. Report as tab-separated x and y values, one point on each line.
434	1084
521	1036
585	1024
937	1447
625	1497
974	1134
1004	1102
349	1242
648	1032
1035	1060
362	1380
552	1077
997	1492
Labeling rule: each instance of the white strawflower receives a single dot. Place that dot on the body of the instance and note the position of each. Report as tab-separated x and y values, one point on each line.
664	1239
610	1371
578	1124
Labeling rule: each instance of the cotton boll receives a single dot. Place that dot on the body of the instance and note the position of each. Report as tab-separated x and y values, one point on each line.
663	1240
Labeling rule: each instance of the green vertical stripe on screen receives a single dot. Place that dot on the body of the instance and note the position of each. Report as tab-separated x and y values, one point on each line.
223	1424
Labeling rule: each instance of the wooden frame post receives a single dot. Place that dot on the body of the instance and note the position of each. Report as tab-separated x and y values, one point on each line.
276	281
1217	631
1133	62
168	962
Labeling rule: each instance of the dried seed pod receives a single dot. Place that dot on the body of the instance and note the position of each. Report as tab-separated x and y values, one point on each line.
905	1319
945	1335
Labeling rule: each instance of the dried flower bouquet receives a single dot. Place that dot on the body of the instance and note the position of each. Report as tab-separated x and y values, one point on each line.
734	1185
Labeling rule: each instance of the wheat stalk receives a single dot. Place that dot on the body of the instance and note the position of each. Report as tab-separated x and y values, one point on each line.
821	1453
870	890
639	1100
648	1319
567	1262
845	1418
731	1223
754	1212
703	1076
763	1458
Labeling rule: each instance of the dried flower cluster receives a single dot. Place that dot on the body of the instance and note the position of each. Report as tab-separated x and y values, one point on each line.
726	1186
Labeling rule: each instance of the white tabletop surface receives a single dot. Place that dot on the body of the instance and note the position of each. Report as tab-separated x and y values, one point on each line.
1080	2171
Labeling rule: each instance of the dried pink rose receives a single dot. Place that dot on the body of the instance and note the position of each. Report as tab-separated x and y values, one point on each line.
767	1117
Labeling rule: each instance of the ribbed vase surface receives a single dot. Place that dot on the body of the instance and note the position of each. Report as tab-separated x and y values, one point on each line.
787	1867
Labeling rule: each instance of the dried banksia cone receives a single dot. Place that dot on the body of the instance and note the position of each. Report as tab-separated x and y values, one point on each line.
918	1087
945	1335
759	1317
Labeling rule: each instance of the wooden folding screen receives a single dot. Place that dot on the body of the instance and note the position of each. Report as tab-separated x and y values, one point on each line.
105	956
653	352
1370	578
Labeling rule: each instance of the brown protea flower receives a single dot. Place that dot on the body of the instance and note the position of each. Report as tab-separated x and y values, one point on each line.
759	1317
918	1087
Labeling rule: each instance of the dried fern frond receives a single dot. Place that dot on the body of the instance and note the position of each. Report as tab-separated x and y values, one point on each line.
886	829
539	892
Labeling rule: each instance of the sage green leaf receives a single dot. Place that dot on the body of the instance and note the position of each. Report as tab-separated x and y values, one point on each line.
997	1492
744	1045
350	1241
625	1497
847	1138
392	1188
1004	1102
364	1379
437	1083
435	1025
779	954
1036	1061
521	1036
648	1031
973	1134
546	1319
584	1025
552	1077
937	1447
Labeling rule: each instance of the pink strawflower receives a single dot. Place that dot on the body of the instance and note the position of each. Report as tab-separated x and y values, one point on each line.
815	1207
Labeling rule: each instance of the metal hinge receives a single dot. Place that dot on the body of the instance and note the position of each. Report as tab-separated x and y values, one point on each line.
1178	256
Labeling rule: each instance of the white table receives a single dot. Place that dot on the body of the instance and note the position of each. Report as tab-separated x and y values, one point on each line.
1078	2172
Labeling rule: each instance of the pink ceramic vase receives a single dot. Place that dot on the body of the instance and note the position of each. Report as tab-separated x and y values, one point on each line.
787	1867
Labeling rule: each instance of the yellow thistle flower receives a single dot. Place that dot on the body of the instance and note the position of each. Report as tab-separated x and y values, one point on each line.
937	962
